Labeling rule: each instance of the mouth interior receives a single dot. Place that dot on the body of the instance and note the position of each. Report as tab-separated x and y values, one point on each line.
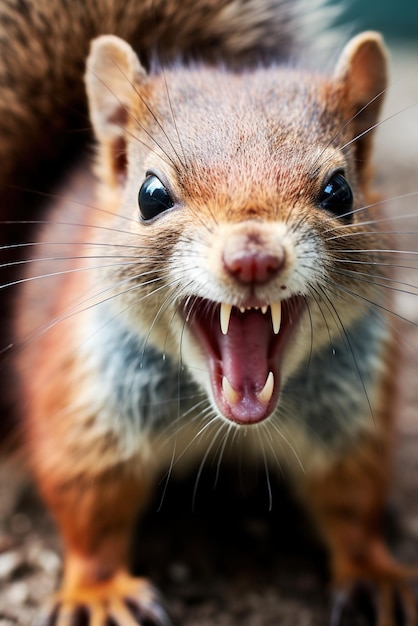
244	347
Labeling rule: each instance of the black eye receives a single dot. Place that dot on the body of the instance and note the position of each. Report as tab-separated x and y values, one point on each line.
153	198
337	197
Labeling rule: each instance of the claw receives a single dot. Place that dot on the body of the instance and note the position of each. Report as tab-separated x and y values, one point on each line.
339	601
123	601
159	615
153	612
348	603
387	603
408	602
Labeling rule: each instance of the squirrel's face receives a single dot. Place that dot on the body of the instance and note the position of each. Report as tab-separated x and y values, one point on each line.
245	196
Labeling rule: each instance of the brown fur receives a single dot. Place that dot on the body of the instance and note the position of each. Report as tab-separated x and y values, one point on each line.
237	180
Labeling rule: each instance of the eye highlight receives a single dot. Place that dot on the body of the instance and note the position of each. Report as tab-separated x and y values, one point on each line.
337	197
153	198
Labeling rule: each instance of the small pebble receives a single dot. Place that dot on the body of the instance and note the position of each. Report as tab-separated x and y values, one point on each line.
9	562
18	593
46	560
179	572
5	621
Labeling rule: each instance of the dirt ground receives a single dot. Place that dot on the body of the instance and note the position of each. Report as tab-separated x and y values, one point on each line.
232	563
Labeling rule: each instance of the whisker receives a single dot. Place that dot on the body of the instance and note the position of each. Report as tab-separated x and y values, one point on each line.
36	244
379	202
266	468
173	117
363	277
204	459
93	300
55	196
372	233
377	264
388	251
229	428
291	447
174	296
71	271
377	124
352	298
173	461
57	259
346	337
155	118
138	123
347	123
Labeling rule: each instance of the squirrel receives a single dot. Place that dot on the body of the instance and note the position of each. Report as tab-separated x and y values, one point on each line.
212	275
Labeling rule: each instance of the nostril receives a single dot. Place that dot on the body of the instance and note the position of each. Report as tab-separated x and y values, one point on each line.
252	266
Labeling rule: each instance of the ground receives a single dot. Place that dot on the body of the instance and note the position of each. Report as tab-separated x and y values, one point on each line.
234	563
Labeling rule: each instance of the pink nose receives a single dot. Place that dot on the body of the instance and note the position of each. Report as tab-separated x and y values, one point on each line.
252	266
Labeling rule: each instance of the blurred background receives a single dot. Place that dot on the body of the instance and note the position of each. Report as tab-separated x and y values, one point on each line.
397	19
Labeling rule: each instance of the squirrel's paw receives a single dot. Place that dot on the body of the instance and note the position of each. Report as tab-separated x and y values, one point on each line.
384	603
121	601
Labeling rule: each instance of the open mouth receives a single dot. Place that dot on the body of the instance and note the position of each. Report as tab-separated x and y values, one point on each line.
245	348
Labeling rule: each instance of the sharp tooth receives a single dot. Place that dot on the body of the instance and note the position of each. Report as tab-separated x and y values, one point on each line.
267	391
225	316
264	309
242	309
276	316
231	396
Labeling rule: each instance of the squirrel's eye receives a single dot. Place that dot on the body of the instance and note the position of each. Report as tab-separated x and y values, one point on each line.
153	198
337	197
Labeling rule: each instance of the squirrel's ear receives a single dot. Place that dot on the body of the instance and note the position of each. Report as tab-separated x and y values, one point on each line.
362	73
112	75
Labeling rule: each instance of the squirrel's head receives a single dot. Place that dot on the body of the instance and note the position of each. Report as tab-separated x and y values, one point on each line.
239	189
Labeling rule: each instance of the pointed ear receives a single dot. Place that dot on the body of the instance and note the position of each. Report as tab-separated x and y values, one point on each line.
112	75
362	73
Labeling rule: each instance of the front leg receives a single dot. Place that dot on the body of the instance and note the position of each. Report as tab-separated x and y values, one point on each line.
93	461
95	516
347	503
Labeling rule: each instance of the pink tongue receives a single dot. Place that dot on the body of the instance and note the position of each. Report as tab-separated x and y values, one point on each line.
244	355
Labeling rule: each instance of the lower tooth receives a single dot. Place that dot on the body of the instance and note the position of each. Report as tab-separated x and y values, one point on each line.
266	393
231	396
